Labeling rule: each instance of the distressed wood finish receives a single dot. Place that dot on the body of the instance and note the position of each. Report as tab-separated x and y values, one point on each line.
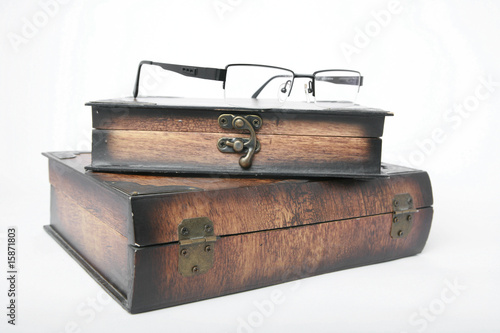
270	207
197	153
179	120
262	204
90	195
249	261
122	228
175	136
101	246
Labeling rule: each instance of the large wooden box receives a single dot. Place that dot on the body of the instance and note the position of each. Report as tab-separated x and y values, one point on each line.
193	136
157	241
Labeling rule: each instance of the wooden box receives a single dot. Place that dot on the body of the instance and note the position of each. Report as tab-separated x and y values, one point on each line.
156	241
194	136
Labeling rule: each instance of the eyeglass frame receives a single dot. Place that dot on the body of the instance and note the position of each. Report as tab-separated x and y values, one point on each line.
217	74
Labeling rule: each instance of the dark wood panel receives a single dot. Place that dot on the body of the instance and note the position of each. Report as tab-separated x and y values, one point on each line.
234	205
197	152
77	162
283	123
101	280
270	231
280	205
248	261
111	207
101	246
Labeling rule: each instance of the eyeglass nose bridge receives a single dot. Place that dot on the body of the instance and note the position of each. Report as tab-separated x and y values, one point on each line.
311	82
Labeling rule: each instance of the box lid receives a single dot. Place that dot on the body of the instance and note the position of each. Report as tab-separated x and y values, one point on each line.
147	209
217	105
201	116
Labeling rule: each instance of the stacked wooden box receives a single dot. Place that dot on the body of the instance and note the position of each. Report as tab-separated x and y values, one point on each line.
183	200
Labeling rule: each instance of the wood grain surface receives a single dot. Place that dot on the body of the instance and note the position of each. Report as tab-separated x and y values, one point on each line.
198	153
234	205
106	204
269	231
282	205
80	160
248	261
101	246
274	123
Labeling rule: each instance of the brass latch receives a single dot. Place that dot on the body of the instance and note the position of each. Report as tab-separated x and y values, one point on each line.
197	245
248	146
402	216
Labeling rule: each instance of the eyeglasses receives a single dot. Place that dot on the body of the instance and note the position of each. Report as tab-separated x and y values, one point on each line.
261	86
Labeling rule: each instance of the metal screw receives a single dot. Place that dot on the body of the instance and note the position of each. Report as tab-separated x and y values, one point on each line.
195	269
410	200
208	248
184	252
256	123
400	233
396	203
239	123
395	220
208	228
409	218
184	231
222	144
223	121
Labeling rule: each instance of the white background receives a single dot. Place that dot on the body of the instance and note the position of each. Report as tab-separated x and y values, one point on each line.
426	61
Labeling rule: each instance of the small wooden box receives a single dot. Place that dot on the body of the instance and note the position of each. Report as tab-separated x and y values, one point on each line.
192	136
156	241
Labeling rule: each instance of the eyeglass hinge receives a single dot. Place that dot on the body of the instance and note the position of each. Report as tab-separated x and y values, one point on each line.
220	75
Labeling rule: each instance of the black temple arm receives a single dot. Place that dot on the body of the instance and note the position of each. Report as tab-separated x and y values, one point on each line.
207	73
198	72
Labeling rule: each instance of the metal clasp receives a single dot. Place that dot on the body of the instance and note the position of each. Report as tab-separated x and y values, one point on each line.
402	217
250	146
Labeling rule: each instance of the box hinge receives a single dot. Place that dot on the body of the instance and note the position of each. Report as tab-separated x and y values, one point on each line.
402	216
196	246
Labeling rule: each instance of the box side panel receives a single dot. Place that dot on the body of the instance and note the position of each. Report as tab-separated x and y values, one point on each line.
98	244
198	153
110	207
248	261
175	120
102	281
281	205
